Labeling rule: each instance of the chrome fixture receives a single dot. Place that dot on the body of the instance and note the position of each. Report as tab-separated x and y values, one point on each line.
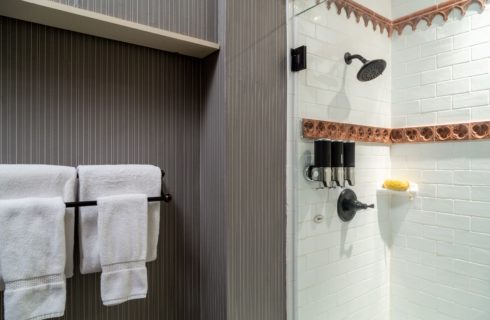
370	69
348	205
334	164
321	170
349	163
337	164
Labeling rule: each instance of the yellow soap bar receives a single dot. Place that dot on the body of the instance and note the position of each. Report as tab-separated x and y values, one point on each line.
396	185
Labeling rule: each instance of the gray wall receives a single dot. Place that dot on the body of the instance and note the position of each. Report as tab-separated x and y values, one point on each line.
195	18
213	242
243	165
71	99
256	103
218	128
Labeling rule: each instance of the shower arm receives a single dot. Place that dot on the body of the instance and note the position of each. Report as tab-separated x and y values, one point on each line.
349	57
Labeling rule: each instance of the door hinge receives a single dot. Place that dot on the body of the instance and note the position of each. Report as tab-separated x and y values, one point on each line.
298	59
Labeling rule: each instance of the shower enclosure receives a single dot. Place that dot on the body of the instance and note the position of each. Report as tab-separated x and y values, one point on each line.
417	106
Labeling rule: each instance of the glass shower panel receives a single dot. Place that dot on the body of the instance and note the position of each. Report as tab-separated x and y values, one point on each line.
421	257
301	6
341	269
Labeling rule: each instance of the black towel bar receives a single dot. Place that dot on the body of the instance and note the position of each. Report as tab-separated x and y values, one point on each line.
166	197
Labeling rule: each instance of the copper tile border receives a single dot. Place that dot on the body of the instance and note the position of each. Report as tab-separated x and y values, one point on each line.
382	23
318	129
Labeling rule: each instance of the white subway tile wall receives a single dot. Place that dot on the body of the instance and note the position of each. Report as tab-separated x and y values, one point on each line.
440	255
342	269
425	259
442	72
441	240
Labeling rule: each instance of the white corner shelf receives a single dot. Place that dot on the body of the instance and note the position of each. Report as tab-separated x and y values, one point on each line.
410	193
67	17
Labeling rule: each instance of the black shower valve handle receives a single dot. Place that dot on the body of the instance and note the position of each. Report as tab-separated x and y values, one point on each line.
348	205
362	206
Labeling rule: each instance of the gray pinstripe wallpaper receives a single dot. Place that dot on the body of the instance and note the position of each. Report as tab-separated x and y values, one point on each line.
256	98
73	99
195	18
243	151
217	126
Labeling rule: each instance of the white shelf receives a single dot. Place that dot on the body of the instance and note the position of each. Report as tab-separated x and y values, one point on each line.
410	193
67	17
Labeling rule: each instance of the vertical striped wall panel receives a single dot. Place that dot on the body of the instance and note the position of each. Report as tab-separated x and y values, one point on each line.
256	103
195	18
244	158
213	193
70	99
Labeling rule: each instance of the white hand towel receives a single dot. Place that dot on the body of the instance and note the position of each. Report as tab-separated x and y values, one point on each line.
110	180
43	181
122	228
32	257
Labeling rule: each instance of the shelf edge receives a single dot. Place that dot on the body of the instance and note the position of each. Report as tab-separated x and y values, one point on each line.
67	17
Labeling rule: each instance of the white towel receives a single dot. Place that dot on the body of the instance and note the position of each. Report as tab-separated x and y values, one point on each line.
32	257
44	181
110	180
122	228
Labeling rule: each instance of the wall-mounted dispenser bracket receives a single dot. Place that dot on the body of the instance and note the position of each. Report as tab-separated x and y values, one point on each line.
319	174
327	166
348	205
298	59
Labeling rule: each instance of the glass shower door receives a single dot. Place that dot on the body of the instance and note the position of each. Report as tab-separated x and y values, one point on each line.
341	269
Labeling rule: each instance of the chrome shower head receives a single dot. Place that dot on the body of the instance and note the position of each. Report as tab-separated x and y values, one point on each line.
370	69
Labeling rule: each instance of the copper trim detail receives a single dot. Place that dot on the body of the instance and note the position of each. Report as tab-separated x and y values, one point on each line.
317	129
428	14
480	130
361	12
382	23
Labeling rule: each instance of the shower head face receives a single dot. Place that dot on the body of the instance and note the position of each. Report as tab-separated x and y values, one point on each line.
371	70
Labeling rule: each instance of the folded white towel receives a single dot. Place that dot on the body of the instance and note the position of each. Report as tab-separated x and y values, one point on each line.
44	181
110	180
32	257
122	228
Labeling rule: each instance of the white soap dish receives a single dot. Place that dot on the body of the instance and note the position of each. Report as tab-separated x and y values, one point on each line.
411	192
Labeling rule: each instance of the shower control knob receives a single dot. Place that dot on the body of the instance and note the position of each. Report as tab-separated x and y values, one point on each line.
348	205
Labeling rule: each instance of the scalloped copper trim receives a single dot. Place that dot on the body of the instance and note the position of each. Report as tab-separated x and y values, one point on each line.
382	23
317	129
361	12
428	14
